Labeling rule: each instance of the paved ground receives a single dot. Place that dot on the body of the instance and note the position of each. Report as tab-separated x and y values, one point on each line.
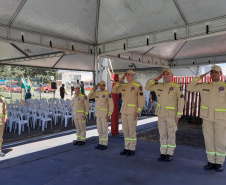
54	160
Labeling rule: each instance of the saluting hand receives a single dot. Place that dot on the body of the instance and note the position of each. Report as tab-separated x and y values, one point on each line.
96	87
202	76
122	79
159	77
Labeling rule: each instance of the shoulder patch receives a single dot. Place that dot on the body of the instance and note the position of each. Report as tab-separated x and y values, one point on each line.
110	96
85	97
141	88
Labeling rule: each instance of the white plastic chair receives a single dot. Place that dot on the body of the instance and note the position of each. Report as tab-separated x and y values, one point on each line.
92	110
66	116
20	122
44	120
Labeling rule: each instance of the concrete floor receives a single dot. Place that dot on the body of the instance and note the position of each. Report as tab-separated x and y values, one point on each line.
54	160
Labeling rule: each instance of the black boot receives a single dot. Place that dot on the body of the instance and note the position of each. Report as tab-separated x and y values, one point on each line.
162	157
219	167
76	143
124	152
2	154
98	146
103	147
168	158
130	153
209	166
81	143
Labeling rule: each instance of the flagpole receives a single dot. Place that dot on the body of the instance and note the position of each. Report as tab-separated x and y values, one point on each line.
21	85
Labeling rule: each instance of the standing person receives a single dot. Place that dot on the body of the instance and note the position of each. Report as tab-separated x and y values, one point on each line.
133	102
104	109
169	110
78	82
62	91
152	103
213	113
3	120
82	88
80	106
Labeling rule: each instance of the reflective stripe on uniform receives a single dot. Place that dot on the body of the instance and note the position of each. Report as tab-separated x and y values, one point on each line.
122	103
171	108
220	110
82	137
211	153
220	154
174	84
136	84
80	111
103	109
179	113
106	93
196	79
133	139
78	136
139	109
117	85
127	139
172	146
103	139
110	113
131	105
87	113
158	105
152	82
83	121
165	146
204	107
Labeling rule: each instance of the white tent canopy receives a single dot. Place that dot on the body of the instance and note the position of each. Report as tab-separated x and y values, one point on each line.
133	33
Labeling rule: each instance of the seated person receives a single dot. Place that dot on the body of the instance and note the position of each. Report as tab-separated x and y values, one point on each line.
28	94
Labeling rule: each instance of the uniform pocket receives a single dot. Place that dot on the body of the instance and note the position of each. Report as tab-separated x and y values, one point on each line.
204	111
220	113
221	98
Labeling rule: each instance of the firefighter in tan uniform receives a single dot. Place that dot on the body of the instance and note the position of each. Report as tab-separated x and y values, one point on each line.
133	102
3	120
80	106
213	113
104	109
169	110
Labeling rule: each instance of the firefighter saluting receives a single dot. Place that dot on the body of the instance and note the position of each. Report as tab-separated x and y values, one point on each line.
133	101
169	110
213	113
104	109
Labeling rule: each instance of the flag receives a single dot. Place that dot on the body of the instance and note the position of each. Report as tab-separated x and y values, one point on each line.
31	87
24	84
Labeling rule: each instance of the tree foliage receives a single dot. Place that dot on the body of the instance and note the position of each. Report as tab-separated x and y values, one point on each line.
15	72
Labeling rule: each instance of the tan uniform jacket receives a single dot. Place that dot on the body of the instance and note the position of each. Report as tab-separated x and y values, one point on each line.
104	103
213	99
3	110
133	98
170	98
80	105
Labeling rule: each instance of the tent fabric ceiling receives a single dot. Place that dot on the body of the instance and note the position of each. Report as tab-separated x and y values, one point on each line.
96	22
